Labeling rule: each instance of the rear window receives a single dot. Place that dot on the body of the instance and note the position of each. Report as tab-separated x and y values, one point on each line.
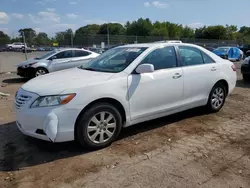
80	53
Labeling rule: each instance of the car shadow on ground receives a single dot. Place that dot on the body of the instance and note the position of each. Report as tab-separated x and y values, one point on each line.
20	151
242	84
15	80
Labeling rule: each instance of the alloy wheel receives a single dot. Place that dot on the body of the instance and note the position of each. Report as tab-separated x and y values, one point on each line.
40	72
101	127
217	98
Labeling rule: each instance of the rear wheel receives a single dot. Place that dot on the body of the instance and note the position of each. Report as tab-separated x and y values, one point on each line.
246	78
217	98
99	126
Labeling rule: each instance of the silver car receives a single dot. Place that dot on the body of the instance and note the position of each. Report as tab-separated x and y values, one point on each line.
56	60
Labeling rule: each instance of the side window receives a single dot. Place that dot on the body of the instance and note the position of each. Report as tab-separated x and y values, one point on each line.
190	56
207	59
80	53
64	54
162	58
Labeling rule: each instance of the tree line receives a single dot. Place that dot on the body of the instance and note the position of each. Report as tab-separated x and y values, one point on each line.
140	27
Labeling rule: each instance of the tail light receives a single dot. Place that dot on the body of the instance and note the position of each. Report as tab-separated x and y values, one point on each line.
233	67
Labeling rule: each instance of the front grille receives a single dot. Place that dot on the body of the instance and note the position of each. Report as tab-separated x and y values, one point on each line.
21	100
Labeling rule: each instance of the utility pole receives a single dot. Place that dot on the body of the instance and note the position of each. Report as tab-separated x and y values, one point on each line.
108	34
72	39
25	51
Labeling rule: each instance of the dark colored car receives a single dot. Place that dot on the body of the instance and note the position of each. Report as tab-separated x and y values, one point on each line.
245	48
245	69
209	48
247	54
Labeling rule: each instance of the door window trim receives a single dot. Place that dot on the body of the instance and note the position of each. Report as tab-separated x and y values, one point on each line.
61	52
176	57
179	56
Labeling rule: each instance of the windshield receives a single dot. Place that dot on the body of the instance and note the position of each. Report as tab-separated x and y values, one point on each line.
44	56
114	60
222	49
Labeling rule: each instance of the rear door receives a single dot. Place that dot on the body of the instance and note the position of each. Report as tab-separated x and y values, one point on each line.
80	57
62	60
200	74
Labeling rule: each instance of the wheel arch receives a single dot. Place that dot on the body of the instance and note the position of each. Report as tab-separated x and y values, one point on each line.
108	100
225	83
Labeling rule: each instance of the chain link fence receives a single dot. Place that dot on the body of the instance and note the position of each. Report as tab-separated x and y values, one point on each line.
71	40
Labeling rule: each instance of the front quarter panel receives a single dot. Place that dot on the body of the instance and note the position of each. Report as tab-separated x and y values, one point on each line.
43	63
114	88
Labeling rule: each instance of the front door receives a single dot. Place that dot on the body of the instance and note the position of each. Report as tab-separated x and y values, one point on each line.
62	60
153	94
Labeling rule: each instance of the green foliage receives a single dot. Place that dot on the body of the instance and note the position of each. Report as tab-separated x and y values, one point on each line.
112	28
65	37
42	39
29	34
4	39
141	28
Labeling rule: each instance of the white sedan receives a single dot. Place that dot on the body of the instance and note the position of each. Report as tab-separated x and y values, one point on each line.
122	87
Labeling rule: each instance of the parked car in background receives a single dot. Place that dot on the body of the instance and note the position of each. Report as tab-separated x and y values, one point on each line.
16	46
230	53
54	61
211	49
29	50
245	48
122	87
3	48
247	54
245	69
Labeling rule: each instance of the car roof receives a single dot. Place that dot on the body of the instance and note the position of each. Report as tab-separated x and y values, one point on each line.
149	45
62	49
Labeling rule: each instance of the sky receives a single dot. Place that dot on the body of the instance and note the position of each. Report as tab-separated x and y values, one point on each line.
52	16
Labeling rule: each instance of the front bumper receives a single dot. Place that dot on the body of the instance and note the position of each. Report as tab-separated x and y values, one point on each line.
50	124
26	72
245	69
56	123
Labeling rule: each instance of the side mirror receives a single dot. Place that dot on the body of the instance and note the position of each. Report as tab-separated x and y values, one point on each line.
145	68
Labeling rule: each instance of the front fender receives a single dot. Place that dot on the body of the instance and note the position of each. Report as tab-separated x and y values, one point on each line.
41	64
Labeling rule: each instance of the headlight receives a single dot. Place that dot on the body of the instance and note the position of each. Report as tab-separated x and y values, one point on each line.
29	65
54	100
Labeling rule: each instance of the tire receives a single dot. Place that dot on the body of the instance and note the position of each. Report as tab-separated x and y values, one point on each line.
40	71
88	130
246	78
216	98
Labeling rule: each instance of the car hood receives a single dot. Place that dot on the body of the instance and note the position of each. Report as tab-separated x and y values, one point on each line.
57	82
27	62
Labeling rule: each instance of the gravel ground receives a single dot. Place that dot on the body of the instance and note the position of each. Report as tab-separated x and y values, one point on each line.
189	149
9	60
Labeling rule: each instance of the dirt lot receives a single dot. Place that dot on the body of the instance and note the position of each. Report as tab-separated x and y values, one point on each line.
190	149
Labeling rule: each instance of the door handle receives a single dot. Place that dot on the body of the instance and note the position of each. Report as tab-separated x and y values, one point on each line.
176	76
213	69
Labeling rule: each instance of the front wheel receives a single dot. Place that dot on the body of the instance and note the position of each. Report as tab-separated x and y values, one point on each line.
217	98
99	126
40	71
